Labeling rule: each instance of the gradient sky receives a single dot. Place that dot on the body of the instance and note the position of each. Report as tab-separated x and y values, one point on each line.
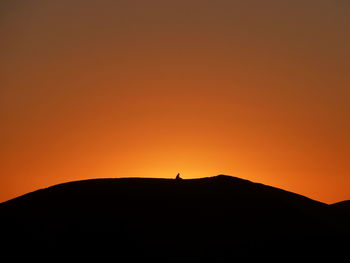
101	88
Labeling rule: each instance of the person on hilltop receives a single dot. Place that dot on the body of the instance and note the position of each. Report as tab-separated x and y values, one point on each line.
178	177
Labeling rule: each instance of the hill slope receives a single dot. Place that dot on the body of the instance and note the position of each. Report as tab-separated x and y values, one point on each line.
170	219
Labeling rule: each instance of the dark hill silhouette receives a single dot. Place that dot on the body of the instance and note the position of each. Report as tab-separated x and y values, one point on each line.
217	218
342	205
342	210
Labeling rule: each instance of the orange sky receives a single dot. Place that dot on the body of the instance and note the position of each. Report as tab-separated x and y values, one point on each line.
102	88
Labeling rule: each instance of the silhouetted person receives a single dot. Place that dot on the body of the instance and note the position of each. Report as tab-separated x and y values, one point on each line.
178	177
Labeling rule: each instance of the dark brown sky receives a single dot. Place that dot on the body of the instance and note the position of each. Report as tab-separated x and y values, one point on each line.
97	88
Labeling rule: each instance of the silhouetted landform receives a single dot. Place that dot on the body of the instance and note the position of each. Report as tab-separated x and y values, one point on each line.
344	205
219	219
343	211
